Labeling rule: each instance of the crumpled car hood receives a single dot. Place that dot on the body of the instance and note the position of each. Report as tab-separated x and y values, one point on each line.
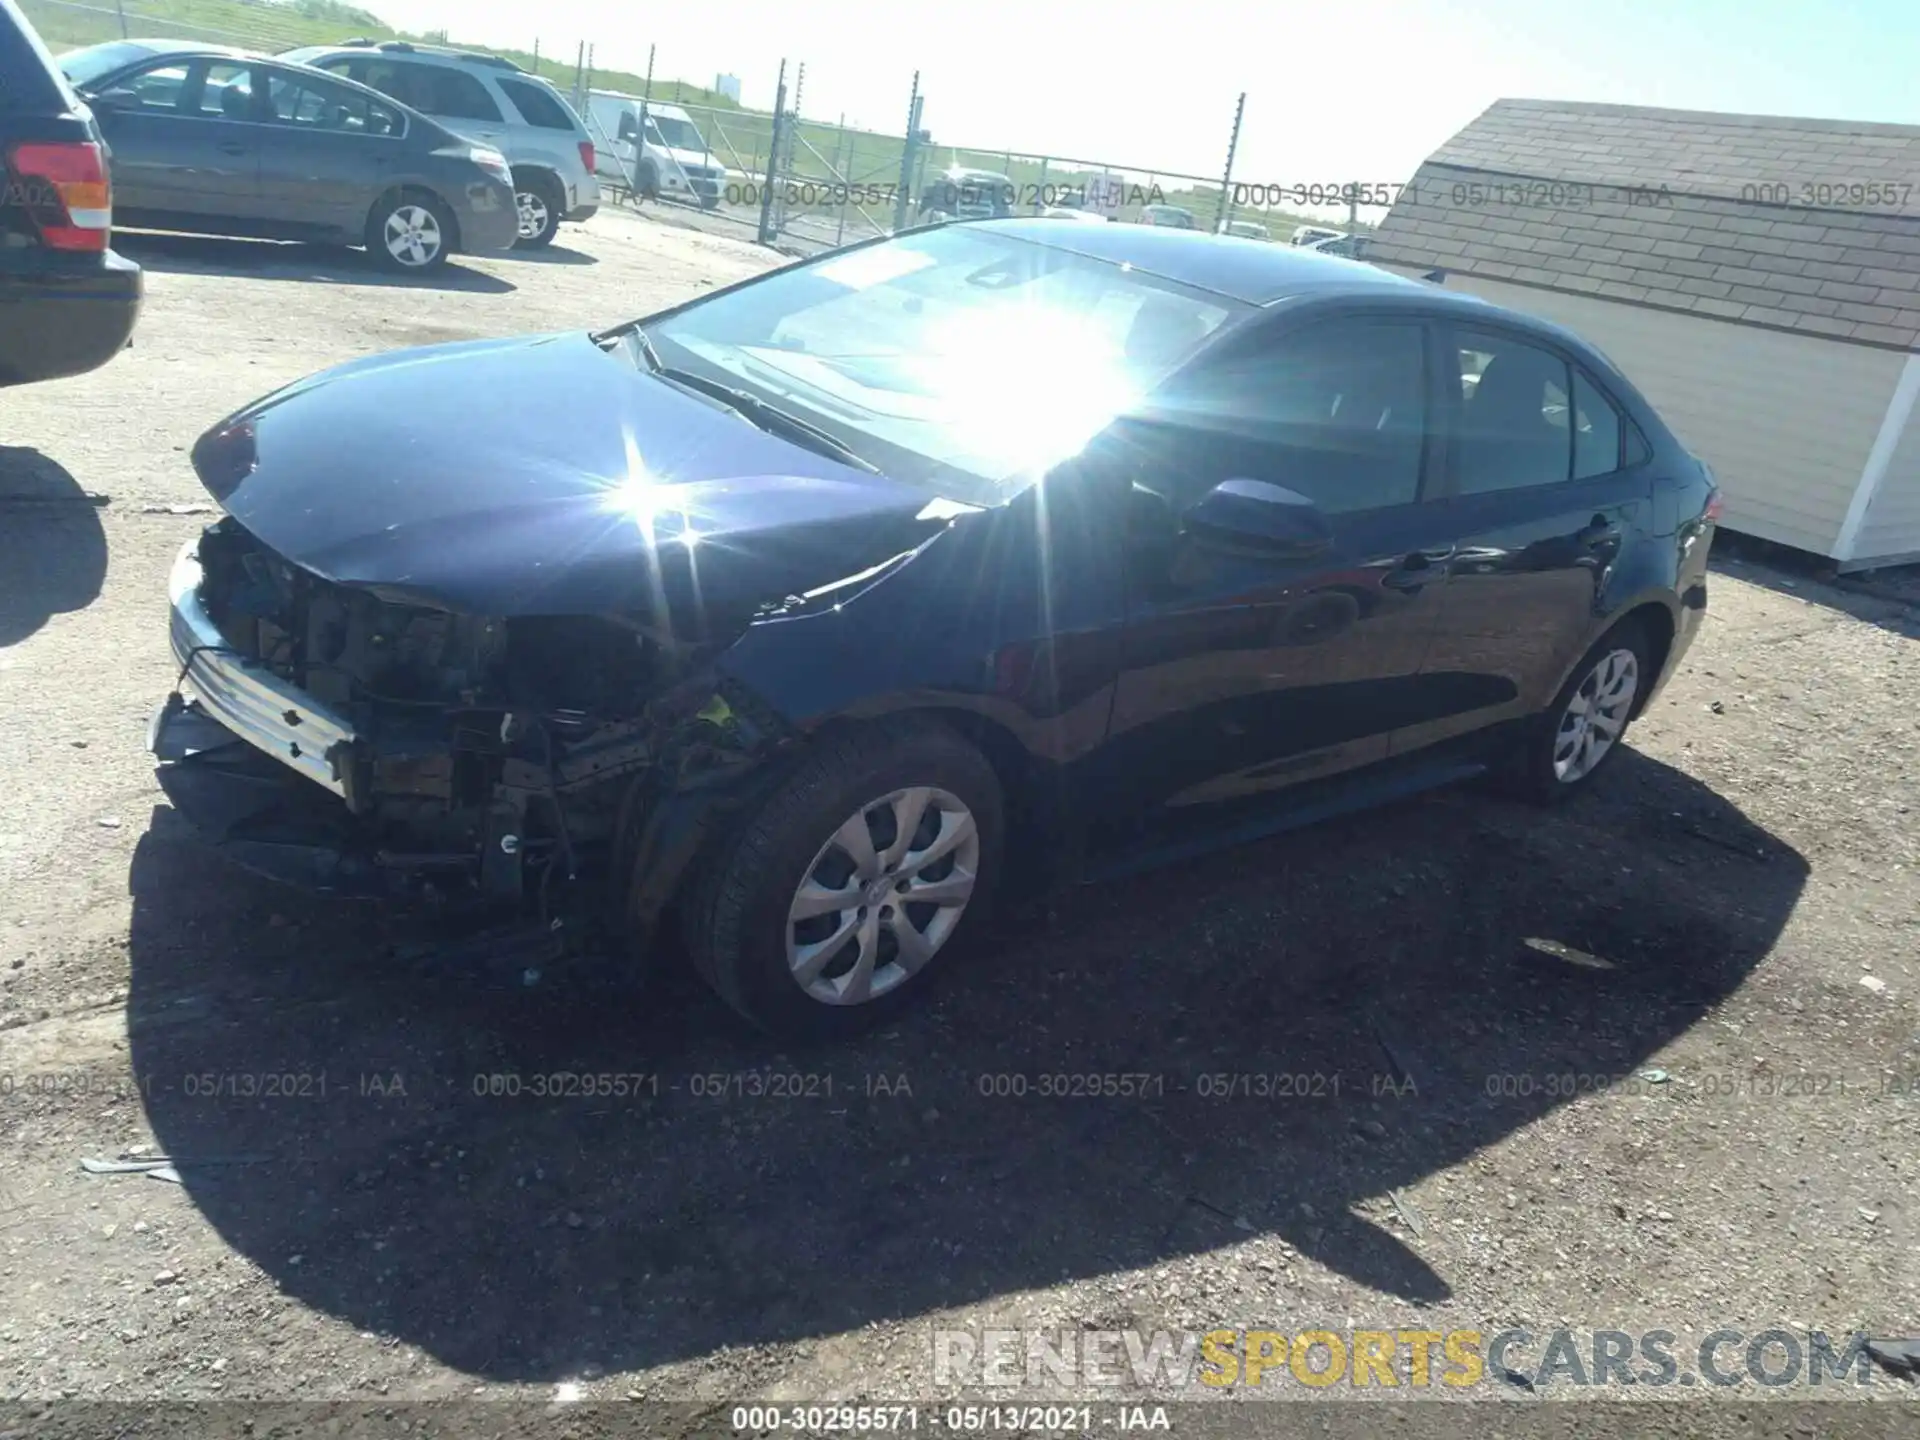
544	476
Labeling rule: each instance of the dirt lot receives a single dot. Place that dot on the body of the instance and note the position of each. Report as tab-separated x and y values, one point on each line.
384	1227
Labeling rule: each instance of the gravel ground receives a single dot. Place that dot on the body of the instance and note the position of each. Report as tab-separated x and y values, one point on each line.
1727	933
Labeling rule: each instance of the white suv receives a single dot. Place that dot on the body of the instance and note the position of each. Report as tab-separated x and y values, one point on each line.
491	100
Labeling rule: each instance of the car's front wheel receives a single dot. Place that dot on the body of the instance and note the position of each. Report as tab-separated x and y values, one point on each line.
410	232
853	883
537	199
1583	728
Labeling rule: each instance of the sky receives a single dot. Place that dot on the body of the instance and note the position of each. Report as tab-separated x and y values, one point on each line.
1337	92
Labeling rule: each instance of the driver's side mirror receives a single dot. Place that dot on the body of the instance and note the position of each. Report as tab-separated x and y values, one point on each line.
1257	517
109	100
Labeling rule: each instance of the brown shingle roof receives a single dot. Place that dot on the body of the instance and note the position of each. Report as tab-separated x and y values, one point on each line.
1752	218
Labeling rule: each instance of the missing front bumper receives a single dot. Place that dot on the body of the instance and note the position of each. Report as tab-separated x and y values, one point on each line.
257	812
271	714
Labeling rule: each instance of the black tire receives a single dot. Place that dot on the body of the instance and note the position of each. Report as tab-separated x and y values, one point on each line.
1532	773
401	208
542	191
737	916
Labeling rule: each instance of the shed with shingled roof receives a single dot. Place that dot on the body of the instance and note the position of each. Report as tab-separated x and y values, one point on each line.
1758	276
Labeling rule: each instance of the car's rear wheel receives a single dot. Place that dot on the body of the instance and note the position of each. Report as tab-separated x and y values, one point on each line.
410	232
536	196
1583	728
854	883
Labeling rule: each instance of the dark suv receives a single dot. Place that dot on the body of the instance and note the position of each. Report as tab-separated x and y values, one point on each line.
67	302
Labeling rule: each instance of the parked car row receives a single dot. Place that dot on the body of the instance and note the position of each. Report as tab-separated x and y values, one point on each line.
413	152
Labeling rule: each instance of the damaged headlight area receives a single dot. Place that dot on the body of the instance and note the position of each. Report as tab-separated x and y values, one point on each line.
340	738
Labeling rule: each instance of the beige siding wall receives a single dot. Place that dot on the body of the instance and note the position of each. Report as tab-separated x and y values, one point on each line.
1891	528
1786	421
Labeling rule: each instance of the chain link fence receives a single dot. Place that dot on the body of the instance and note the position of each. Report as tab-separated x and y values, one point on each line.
692	156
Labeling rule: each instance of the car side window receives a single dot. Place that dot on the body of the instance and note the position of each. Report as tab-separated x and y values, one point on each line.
161	88
1596	431
226	91
400	81
452	93
313	104
537	107
1337	413
1516	427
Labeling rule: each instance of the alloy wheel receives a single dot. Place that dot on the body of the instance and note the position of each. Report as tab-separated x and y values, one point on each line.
413	236
1595	715
882	895
533	213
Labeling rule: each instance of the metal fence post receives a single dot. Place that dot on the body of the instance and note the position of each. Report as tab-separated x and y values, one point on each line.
773	158
1226	178
907	148
842	176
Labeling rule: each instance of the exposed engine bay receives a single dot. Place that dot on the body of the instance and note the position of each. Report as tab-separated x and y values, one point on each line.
488	754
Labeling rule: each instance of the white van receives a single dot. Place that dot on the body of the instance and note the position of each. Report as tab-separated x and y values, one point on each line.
656	149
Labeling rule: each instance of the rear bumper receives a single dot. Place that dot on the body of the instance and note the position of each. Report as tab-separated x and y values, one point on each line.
254	705
66	322
489	220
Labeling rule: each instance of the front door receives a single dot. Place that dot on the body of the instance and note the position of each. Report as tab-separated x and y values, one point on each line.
1546	486
1246	672
184	141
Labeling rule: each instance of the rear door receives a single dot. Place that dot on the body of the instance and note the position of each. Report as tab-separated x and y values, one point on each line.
187	139
1544	485
330	150
1245	673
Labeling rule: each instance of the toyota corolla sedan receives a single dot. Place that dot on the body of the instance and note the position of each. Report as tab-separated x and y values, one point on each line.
861	594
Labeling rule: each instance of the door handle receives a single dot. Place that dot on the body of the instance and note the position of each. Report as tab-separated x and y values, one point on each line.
1598	531
232	147
1417	569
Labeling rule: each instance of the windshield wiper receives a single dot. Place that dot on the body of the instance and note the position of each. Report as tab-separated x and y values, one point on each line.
767	416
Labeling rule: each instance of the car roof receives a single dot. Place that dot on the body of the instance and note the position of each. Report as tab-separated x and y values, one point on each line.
159	47
1260	273
1251	271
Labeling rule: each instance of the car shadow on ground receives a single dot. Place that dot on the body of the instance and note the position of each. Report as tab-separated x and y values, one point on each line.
290	260
686	1185
553	255
53	551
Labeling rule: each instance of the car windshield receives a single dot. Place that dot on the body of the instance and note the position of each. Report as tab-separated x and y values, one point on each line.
677	134
83	67
956	358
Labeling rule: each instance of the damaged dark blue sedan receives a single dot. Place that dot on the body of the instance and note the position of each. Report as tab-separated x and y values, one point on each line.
935	569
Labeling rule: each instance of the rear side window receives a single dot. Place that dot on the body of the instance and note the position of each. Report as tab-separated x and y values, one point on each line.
226	92
314	104
1516	430
453	93
1596	431
537	106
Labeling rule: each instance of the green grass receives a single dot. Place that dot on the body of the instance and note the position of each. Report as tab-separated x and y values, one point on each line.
739	136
